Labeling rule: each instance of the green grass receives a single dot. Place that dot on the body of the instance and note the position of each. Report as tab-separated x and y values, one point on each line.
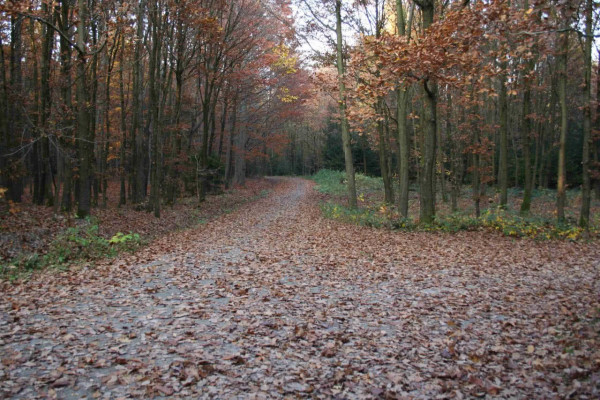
334	183
75	245
374	213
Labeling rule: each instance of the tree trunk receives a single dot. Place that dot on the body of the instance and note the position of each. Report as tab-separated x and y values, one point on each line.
430	91
138	176
239	173
561	197
84	146
526	135
403	145
67	122
229	151
477	177
12	124
349	163
503	167
597	142
154	89
383	157
123	155
584	216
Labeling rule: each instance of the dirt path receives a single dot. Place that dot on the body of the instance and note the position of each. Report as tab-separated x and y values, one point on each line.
274	301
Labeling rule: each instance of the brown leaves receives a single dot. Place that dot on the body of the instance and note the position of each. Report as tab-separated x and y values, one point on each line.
275	300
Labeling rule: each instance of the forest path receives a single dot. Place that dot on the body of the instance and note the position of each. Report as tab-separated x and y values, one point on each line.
274	301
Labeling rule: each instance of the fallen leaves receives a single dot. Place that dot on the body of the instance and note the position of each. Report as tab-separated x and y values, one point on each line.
276	301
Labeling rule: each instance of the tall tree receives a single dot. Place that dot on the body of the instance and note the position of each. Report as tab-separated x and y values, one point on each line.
584	216
84	140
430	95
348	161
562	57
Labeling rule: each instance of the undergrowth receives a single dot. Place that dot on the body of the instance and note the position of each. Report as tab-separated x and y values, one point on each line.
76	245
379	215
81	244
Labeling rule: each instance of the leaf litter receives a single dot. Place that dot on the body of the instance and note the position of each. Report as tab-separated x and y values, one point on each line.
274	301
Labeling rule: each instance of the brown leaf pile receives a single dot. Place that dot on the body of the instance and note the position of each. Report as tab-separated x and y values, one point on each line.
273	301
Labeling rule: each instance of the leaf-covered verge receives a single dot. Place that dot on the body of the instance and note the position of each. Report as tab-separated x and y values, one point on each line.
33	238
274	301
539	224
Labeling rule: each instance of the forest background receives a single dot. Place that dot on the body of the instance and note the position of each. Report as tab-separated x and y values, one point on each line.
469	114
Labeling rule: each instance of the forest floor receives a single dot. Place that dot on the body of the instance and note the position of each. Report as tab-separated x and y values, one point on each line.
540	223
274	301
30	229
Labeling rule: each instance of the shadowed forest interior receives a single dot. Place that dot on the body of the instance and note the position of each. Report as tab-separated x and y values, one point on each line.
185	98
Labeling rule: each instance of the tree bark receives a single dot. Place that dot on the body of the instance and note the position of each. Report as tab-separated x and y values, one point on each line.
65	56
584	216
430	94
349	163
403	145
229	151
561	197
383	157
137	137
154	89
526	135
84	145
503	162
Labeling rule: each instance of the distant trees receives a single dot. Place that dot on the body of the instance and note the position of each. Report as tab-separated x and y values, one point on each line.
485	93
183	96
169	96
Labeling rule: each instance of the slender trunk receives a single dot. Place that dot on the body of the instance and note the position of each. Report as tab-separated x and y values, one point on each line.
105	154
584	216
229	152
430	91
403	151
383	158
561	198
455	158
154	89
427	197
477	177
536	158
83	143
5	175
441	161
137	136
503	167
223	124
43	189
597	142
123	155
363	151
213	129
526	135
65	55
349	163
401	114
11	166
94	119
239	154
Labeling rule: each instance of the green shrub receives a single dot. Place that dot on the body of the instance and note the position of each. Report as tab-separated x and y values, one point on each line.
334	183
76	244
505	222
122	239
511	224
330	182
